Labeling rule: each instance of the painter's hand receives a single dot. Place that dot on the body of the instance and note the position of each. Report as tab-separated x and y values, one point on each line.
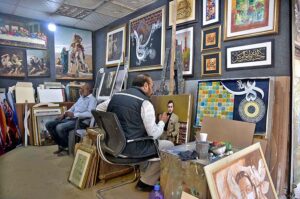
164	117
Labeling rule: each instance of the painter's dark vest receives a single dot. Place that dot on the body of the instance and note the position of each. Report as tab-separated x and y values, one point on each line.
127	106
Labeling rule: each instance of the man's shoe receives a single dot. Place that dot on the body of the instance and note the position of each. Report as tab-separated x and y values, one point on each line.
63	153
140	186
60	149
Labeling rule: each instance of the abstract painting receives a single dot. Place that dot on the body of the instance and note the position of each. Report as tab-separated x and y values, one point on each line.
115	46
256	55
37	63
250	18
211	64
147	41
13	62
186	12
211	38
244	174
248	100
73	54
210	12
22	32
185	39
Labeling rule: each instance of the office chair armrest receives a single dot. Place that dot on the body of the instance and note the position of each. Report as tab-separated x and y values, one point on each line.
80	119
140	139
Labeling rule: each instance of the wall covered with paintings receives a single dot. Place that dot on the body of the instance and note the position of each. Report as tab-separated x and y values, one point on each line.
27	51
276	65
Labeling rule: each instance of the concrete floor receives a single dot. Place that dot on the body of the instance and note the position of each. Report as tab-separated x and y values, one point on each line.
35	173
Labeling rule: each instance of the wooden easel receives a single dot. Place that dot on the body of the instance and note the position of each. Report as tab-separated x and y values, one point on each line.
172	60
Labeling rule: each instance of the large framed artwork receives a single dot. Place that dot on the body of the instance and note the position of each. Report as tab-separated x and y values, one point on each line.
211	64
185	39
80	168
22	32
210	12
250	18
73	54
40	116
182	108
186	12
258	55
115	46
38	63
147	41
244	174
211	38
13	62
249	100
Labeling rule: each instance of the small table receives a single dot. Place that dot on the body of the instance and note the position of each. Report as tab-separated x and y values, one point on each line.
177	176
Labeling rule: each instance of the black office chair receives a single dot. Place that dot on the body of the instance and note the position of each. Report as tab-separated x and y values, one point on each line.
111	142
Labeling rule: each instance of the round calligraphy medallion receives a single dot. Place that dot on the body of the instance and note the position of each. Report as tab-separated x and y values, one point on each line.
252	111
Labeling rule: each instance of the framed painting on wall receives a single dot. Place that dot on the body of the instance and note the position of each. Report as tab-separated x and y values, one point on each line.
106	85
186	12
147	41
115	46
256	55
211	64
22	32
38	63
249	100
185	39
73	54
13	62
210	12
244	174
250	18
211	38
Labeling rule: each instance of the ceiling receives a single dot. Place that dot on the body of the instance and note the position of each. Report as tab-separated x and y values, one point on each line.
84	14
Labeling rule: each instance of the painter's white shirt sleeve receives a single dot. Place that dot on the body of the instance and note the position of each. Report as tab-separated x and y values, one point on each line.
103	106
148	117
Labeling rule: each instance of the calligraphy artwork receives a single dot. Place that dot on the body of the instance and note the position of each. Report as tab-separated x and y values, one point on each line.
254	55
211	64
250	18
186	12
73	54
244	174
211	38
237	99
22	32
210	12
147	41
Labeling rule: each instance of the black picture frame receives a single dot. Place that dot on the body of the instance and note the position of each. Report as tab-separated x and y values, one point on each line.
213	35
211	64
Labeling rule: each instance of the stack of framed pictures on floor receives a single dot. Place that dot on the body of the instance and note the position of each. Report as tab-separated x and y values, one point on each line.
40	116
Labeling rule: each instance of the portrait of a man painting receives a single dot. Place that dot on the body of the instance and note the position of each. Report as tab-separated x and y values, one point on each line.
244	174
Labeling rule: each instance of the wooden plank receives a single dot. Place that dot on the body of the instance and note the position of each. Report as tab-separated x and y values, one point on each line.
278	145
173	48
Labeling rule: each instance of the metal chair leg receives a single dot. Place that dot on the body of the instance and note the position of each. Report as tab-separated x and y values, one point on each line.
136	175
